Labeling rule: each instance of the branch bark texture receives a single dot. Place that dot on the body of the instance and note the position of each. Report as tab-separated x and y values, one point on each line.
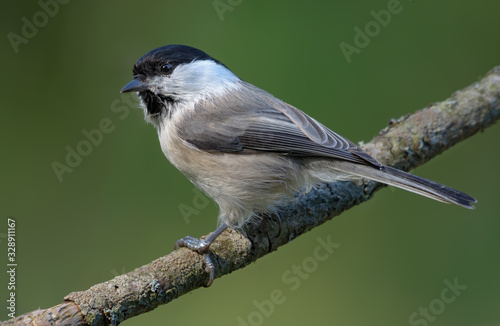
405	144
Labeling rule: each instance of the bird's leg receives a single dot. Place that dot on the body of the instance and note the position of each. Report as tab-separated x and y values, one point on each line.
202	247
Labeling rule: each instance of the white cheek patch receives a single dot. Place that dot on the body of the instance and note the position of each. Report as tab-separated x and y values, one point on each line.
201	79
188	84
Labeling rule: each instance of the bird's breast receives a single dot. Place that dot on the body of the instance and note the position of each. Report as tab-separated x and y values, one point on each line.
184	156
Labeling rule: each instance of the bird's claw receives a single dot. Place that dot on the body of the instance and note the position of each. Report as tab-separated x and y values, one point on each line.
201	247
209	268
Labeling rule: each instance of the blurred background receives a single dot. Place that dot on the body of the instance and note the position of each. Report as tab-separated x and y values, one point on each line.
122	205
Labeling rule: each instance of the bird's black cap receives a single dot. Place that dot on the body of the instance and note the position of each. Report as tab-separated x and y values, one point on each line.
173	54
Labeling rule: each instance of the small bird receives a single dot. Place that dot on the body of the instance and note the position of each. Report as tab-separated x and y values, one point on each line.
245	148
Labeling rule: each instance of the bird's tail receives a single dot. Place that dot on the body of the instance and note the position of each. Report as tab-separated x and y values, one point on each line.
407	181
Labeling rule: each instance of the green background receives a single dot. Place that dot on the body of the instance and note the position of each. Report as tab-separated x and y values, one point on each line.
119	208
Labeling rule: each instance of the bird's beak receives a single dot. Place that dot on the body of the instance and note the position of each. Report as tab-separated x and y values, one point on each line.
135	86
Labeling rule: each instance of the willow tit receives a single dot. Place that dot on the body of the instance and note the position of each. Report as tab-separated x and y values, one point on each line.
245	148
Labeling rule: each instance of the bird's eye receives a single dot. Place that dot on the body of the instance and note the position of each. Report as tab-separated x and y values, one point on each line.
166	69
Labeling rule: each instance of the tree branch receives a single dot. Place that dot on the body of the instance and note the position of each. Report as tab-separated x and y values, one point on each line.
405	144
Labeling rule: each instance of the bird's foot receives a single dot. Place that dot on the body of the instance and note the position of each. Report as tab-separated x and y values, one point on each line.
202	247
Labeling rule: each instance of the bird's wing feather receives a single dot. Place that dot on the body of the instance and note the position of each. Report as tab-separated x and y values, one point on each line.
278	128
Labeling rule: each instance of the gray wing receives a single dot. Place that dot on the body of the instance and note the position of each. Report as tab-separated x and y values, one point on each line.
270	126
